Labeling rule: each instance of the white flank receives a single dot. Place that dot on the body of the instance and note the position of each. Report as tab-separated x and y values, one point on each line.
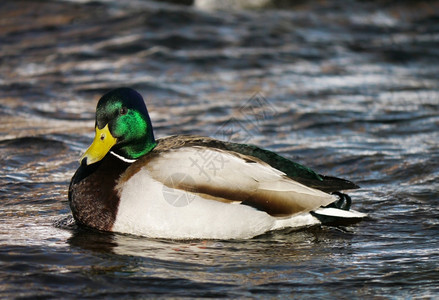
150	208
145	210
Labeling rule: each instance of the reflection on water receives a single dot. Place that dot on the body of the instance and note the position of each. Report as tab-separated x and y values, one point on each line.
261	263
350	90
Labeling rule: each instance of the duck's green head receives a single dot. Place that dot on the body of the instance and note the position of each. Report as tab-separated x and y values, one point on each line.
122	126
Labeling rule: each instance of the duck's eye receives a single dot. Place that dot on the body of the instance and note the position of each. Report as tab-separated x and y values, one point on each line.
123	111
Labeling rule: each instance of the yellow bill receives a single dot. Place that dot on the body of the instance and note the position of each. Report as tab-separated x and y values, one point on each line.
102	143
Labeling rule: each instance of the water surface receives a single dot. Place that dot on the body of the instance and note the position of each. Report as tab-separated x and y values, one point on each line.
349	90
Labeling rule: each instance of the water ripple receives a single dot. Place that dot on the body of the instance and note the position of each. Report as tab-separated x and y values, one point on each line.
351	91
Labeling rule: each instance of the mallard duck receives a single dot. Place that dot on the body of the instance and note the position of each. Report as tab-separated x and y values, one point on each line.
185	187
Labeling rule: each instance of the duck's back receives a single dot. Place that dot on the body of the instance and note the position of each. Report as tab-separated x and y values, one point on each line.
292	169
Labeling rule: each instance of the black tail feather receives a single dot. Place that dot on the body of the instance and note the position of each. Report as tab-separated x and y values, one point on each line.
344	201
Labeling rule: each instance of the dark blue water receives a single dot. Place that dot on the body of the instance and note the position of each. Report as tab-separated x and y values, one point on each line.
350	89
